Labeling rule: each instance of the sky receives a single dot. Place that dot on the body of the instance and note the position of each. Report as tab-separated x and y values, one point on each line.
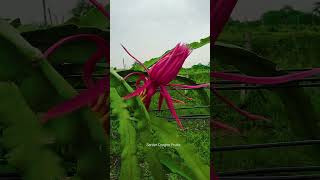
253	9
147	28
31	11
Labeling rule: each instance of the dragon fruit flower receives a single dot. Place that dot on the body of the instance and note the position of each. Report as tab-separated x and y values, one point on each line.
95	89
159	77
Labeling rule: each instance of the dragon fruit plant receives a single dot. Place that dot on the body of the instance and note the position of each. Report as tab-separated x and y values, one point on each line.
30	85
252	64
136	126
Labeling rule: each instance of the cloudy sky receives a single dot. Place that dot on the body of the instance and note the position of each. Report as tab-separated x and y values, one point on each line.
253	9
148	28
31	11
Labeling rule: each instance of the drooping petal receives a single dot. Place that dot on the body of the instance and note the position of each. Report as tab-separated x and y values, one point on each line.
219	125
189	86
266	80
102	50
178	101
177	90
213	175
170	105
240	111
94	91
79	37
79	101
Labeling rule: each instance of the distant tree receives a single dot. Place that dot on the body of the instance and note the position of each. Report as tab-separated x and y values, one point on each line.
316	9
287	8
200	66
81	8
287	15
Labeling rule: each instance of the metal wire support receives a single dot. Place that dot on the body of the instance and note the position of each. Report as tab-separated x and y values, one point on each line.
265	145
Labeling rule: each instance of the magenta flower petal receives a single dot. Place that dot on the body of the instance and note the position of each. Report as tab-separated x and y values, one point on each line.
177	90
138	91
79	37
240	111
168	98
90	64
220	15
219	125
95	90
149	94
144	67
160	75
167	71
212	173
189	86
266	80
81	100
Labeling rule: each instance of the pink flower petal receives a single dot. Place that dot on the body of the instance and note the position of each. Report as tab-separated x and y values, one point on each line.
168	99
151	90
221	11
81	100
137	91
79	37
177	90
189	86
240	111
266	80
212	173
144	67
219	125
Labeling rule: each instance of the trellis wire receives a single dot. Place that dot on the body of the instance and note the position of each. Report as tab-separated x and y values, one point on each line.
290	177
265	145
270	170
237	175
